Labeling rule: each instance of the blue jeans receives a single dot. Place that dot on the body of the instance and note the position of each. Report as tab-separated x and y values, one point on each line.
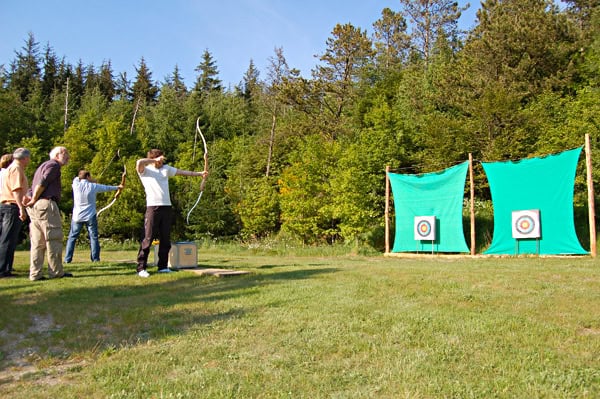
92	228
10	225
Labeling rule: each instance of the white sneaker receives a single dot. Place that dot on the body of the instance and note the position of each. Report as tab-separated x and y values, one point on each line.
165	270
143	273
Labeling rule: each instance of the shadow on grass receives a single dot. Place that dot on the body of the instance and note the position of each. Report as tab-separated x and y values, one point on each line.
108	305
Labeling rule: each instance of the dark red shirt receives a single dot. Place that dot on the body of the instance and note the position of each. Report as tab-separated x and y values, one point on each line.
48	175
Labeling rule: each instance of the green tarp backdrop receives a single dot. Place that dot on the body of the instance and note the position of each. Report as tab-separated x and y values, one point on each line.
545	184
431	194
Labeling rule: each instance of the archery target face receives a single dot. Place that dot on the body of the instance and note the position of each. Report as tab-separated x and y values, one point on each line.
425	228
526	224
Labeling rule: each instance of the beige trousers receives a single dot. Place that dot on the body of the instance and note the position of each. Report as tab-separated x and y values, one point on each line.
46	236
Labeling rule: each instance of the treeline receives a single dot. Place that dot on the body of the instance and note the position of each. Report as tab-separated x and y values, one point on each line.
304	158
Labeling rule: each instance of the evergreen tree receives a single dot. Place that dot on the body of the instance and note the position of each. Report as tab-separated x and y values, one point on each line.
123	87
50	72
77	84
144	87
519	49
25	70
250	86
348	51
175	81
106	82
207	80
92	80
430	18
392	43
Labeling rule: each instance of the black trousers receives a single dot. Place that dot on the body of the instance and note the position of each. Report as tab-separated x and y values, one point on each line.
157	224
10	226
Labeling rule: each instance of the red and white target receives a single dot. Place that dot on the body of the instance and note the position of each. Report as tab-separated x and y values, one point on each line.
526	224
425	228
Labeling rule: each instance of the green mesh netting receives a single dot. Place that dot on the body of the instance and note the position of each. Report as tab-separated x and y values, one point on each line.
431	194
544	183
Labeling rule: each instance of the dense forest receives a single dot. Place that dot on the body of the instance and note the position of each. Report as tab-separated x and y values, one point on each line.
303	158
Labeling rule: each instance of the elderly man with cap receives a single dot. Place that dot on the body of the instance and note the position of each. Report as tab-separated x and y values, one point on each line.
45	230
12	210
85	189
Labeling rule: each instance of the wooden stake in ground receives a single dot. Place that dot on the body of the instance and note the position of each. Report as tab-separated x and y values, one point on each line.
591	205
471	180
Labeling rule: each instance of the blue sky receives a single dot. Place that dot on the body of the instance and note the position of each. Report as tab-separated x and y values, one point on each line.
171	32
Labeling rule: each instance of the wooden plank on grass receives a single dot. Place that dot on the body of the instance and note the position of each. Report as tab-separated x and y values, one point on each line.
219	272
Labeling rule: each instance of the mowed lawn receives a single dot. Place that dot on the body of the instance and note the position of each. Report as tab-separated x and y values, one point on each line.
311	326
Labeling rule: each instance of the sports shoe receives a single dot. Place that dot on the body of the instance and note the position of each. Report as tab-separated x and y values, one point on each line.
143	273
165	270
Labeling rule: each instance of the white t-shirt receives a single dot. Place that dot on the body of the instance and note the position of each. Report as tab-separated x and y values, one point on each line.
156	184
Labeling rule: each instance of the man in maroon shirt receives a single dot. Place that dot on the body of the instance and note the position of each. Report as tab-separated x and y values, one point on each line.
45	230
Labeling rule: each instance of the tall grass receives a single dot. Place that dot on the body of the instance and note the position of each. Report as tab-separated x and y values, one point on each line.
306	326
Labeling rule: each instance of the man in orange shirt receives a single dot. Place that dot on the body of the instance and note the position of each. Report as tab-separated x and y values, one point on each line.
12	209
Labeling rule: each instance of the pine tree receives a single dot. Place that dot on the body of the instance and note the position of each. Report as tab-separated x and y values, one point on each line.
430	18
144	87
123	87
106	82
50	72
250	85
175	81
25	70
391	40
207	80
348	51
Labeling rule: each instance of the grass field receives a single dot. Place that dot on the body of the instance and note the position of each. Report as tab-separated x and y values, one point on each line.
305	326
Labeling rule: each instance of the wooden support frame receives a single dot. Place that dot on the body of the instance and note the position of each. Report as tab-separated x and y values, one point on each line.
591	205
387	209
472	201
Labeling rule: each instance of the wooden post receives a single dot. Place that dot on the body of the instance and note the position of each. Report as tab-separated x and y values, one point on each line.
591	205
137	106
387	209
66	107
471	180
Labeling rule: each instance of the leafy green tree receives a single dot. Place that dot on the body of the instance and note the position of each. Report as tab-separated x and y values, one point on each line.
259	209
305	194
13	120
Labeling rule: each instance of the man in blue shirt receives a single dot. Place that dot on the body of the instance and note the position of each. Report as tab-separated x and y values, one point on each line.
84	213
